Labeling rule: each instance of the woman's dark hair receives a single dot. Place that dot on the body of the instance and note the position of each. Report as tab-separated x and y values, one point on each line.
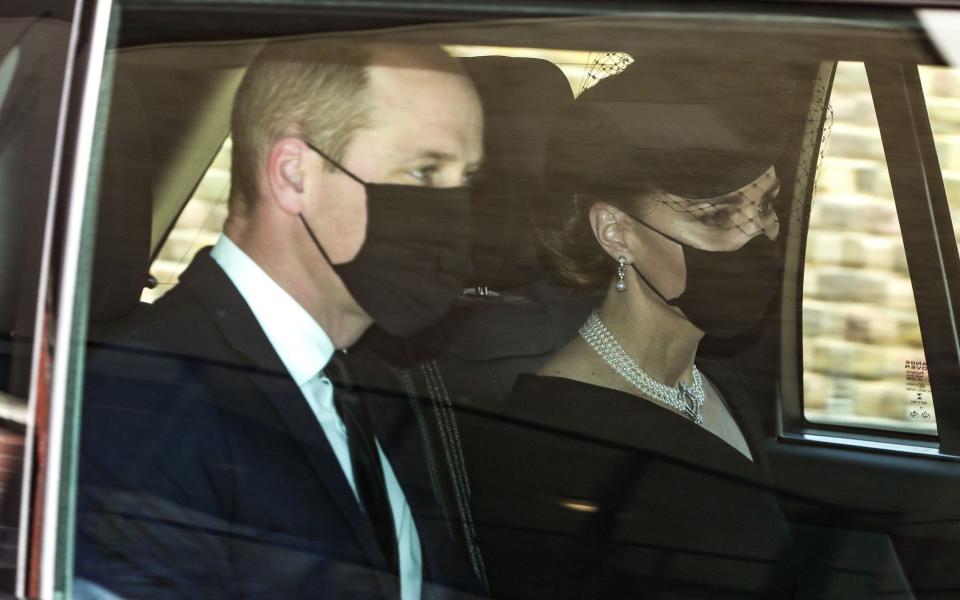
579	172
696	131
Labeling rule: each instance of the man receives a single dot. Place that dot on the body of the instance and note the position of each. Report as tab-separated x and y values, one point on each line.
227	449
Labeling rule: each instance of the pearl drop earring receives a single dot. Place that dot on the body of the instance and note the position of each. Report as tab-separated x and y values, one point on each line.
621	274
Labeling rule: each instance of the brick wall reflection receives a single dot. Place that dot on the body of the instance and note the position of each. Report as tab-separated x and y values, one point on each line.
862	346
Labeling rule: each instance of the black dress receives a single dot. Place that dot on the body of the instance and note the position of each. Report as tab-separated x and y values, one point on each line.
581	491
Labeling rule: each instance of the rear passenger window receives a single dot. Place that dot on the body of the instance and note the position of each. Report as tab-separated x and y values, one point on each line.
863	359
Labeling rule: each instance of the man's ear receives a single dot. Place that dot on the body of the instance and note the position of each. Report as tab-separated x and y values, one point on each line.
285	174
611	227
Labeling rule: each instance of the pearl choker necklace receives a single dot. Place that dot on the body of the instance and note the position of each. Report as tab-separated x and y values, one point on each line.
684	399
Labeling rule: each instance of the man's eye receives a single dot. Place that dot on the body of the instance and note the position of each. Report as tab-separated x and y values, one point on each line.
425	175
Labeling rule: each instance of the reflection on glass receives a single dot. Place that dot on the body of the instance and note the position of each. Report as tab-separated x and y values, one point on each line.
863	355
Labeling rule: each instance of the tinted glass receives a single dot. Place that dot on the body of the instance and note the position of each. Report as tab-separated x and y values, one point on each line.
497	308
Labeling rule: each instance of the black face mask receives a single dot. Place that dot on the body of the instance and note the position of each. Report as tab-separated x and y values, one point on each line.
415	256
727	292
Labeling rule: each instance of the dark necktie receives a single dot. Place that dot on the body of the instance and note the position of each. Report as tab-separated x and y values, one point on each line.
364	458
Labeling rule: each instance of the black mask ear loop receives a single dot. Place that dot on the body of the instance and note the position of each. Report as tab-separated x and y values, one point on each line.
346	172
637	271
316	242
330	160
651	286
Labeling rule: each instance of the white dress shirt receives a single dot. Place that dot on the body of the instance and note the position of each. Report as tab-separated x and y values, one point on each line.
305	349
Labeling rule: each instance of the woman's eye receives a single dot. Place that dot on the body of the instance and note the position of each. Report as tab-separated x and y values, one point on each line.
714	218
767	205
771	198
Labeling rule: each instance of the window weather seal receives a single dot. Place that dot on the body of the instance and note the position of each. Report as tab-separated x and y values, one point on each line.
928	237
73	194
39	381
868	443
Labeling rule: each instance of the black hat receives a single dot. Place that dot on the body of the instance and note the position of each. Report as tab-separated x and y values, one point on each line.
697	130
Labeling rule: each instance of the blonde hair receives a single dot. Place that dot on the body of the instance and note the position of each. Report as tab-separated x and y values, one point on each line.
314	88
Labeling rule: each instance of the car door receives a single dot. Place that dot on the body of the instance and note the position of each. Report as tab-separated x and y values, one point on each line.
865	451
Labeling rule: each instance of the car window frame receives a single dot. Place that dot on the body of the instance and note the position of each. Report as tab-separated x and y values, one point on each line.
915	173
64	295
934	266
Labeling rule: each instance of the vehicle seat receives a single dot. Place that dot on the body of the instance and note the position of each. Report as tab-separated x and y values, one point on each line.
521	99
122	252
514	315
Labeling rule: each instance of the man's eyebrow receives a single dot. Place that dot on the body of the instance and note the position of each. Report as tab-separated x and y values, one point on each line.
441	156
437	155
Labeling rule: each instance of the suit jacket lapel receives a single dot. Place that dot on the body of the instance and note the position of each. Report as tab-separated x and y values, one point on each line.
213	290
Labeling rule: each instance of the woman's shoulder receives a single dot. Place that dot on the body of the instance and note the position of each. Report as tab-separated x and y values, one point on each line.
558	403
562	401
567	361
578	363
552	406
555	389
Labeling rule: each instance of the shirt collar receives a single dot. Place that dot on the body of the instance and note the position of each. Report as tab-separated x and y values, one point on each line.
302	345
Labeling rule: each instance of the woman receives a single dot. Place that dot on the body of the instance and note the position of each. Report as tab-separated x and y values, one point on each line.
620	469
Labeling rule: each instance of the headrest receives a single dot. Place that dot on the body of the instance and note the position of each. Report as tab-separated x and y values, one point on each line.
122	257
521	99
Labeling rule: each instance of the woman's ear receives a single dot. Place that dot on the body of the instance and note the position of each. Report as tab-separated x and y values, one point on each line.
612	227
285	174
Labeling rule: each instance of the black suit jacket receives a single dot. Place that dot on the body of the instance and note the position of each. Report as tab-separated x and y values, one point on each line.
204	473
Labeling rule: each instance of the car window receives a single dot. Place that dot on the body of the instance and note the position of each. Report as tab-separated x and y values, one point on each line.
402	303
863	359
